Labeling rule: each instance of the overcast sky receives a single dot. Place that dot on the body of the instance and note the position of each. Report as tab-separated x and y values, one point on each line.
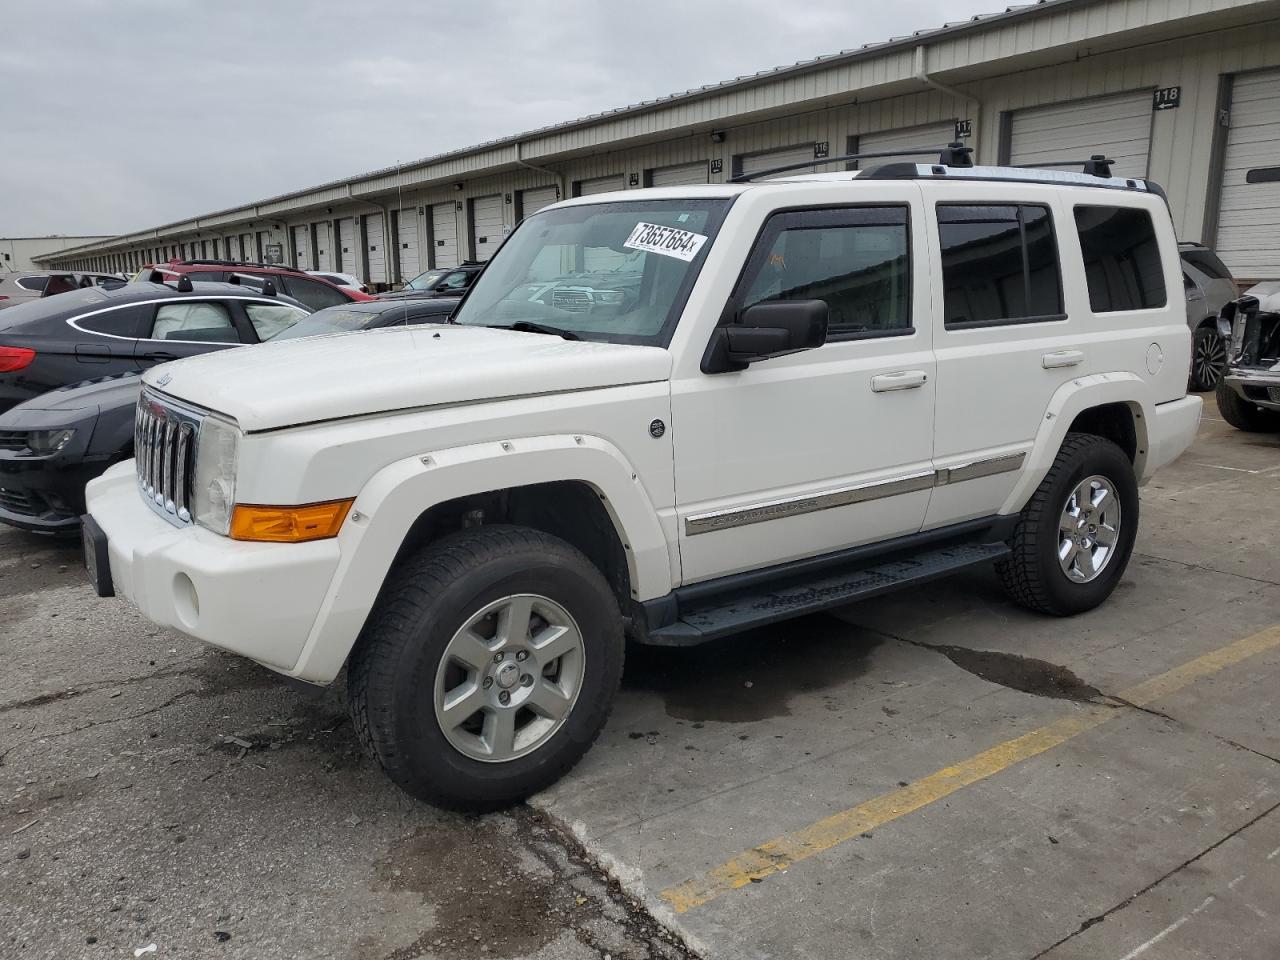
116	115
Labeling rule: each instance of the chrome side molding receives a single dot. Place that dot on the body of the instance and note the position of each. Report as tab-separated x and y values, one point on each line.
845	496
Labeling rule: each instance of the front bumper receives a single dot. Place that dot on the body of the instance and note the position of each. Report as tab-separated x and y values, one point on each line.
259	600
45	494
1261	387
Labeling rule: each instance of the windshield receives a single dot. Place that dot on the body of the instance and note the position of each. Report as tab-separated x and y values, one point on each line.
609	271
425	281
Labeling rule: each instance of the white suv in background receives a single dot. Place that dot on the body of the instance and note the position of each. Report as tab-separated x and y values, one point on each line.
798	393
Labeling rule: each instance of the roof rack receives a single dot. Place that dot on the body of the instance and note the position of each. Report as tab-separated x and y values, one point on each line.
924	171
236	263
1097	165
952	155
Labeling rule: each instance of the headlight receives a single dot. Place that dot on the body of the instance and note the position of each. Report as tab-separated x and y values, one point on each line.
46	442
214	492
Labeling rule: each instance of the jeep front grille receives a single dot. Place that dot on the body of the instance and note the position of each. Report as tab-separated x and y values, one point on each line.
164	443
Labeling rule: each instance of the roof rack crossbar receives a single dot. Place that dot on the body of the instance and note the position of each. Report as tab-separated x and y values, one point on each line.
952	155
1099	165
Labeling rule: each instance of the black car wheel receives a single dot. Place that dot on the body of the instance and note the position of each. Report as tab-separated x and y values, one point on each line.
1208	359
1246	416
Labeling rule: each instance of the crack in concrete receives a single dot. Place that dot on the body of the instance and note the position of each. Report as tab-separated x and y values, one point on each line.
71	693
1197	566
1099	918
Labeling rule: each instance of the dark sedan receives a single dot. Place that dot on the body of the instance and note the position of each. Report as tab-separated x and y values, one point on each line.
50	447
95	332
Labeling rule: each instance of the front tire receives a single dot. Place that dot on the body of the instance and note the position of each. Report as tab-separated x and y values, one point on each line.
487	667
1074	537
1243	415
1208	359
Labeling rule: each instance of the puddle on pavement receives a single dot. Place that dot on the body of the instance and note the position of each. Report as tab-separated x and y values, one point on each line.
1025	674
483	904
754	675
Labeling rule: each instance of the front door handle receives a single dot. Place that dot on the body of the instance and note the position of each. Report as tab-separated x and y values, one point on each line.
899	380
1063	358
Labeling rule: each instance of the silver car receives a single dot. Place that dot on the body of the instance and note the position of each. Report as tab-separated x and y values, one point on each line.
1249	393
27	285
1209	287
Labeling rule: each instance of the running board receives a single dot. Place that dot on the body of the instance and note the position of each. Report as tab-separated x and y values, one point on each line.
727	613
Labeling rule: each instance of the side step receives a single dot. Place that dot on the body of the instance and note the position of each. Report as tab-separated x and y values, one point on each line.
739	610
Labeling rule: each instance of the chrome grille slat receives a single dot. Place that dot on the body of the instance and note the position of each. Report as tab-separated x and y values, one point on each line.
165	450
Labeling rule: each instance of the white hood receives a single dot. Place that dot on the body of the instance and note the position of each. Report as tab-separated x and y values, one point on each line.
398	368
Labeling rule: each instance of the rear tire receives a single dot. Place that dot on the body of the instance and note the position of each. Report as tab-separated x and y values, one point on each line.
1243	415
491	612
1075	535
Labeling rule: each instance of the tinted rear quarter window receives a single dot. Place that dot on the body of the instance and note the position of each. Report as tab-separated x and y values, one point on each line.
1121	259
125	322
34	284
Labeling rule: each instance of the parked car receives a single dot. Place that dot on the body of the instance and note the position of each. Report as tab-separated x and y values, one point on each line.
446	282
347	280
1209	287
1249	393
16	288
51	446
91	333
313	292
820	389
372	315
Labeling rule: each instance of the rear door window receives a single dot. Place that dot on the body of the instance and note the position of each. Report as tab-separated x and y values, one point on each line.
1122	262
194	322
313	293
999	265
269	319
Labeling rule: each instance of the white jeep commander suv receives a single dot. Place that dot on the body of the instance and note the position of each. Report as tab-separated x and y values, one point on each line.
667	414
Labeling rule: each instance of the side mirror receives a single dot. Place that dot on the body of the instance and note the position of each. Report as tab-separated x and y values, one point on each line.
769	330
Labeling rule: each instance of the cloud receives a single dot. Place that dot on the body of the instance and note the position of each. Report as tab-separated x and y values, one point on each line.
122	115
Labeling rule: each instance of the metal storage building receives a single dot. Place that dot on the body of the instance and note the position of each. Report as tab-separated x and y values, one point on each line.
1186	92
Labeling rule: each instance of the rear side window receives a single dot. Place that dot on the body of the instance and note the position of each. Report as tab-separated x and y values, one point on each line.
1121	259
125	322
197	322
999	265
34	284
313	293
855	259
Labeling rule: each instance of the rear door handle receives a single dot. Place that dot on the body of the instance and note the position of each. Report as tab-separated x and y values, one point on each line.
899	380
160	357
1063	358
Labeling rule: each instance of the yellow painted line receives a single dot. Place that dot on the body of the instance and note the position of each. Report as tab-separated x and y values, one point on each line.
778	854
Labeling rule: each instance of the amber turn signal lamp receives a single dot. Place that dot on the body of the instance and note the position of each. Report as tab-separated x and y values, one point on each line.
313	521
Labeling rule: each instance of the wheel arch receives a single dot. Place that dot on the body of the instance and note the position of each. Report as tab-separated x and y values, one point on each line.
580	488
1110	405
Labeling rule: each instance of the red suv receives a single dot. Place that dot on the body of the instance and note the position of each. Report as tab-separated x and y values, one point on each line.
312	292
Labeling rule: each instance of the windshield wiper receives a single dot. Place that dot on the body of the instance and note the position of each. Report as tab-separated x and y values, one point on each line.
528	326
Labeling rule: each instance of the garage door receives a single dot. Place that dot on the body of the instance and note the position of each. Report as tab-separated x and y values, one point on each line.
686	173
377	247
302	247
324	245
780	158
444	235
348	255
407	245
1119	127
930	135
599	185
531	201
1249	213
246	247
486	226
